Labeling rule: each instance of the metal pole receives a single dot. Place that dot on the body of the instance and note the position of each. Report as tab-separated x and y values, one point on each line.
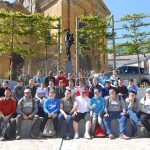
77	46
113	38
58	60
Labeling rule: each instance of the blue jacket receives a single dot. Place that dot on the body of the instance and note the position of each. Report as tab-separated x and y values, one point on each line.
102	80
51	106
100	104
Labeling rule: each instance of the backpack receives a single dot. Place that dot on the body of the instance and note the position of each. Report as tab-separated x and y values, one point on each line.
5	129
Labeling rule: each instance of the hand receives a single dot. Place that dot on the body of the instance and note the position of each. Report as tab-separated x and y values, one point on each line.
25	117
5	119
94	105
49	115
30	116
74	114
106	115
66	116
122	113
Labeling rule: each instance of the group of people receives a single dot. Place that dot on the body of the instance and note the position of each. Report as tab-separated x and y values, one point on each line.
98	101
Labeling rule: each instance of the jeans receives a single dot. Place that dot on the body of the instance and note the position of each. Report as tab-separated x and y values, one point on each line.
69	123
145	118
134	120
115	115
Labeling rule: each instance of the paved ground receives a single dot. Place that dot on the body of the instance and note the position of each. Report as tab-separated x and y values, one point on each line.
79	144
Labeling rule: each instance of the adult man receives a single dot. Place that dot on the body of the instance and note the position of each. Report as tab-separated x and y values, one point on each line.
60	90
72	88
3	88
27	109
115	108
24	76
7	109
82	108
18	91
122	89
145	109
69	40
61	77
94	86
49	78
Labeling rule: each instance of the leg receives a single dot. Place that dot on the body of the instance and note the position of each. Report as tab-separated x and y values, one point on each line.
12	128
60	121
19	119
145	120
69	125
133	116
55	121
43	123
100	122
122	123
94	121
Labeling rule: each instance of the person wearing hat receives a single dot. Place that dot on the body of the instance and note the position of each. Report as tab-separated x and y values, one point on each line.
133	112
97	109
66	111
18	91
26	109
145	110
115	108
3	88
7	111
81	111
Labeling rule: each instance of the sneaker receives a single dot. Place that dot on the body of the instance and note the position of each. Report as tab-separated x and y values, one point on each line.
123	136
87	136
18	137
142	128
76	136
111	136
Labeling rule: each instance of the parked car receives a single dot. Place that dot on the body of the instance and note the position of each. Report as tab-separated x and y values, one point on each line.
131	72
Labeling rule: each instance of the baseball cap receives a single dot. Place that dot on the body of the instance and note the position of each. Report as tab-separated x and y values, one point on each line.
132	91
27	91
96	91
148	90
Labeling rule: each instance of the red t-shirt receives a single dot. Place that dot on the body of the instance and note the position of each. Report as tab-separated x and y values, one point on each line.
8	106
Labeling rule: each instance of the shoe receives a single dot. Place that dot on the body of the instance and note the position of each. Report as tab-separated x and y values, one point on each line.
76	136
18	137
3	139
87	136
142	128
111	136
123	136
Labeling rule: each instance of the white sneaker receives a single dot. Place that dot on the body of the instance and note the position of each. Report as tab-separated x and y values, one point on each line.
76	136
87	136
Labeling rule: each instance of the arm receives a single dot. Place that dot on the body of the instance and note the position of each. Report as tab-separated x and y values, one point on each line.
123	104
45	105
57	107
19	107
15	94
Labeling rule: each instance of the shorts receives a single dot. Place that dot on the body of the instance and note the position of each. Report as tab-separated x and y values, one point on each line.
80	116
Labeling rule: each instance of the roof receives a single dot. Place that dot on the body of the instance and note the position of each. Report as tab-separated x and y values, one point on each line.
13	7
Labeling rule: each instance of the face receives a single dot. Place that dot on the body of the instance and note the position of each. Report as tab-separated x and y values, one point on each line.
7	93
114	72
131	96
148	95
39	73
31	82
131	83
42	85
71	84
67	94
51	83
52	93
83	94
120	82
108	84
61	84
112	93
102	74
95	81
20	83
81	84
97	94
60	74
5	85
27	94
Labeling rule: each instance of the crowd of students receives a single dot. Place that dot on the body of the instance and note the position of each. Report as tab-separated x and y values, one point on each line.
100	100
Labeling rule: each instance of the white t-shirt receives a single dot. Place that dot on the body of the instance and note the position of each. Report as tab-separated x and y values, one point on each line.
145	105
83	104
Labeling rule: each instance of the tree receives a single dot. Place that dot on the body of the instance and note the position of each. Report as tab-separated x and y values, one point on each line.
137	37
17	31
92	35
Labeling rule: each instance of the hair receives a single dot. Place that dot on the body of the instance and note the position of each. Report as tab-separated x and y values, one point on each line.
131	80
